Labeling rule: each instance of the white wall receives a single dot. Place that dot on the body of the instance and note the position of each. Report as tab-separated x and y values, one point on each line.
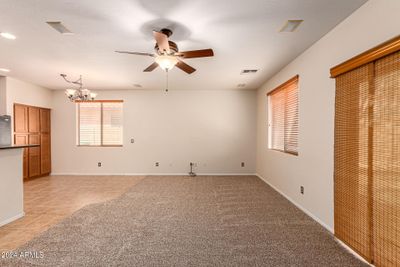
20	92
372	24
27	93
215	129
3	96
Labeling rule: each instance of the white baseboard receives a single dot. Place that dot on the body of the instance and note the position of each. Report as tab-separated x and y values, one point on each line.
149	174
349	249
315	218
9	220
112	174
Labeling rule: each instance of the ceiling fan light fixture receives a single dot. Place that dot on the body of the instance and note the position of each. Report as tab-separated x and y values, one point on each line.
166	62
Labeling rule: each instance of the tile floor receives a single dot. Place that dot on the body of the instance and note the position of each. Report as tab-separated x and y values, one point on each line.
49	199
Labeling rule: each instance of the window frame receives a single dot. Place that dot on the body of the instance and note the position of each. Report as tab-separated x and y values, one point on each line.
101	124
283	86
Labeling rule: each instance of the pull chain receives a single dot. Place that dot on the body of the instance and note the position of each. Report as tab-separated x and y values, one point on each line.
166	90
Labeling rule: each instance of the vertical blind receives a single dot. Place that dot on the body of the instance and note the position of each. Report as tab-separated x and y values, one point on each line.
367	160
386	161
351	160
100	123
283	119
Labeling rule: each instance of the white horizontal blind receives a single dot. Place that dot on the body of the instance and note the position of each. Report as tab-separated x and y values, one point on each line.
89	123
291	118
112	123
283	117
277	122
100	123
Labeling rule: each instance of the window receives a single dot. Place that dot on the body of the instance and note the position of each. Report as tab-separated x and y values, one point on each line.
283	117
100	123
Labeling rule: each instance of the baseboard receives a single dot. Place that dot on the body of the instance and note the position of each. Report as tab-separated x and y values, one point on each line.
12	219
315	218
150	174
349	249
112	174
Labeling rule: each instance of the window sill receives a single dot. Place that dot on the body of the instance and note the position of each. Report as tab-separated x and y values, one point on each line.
100	146
286	152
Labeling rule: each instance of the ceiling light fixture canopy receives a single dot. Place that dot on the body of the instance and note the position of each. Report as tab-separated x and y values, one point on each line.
80	94
166	62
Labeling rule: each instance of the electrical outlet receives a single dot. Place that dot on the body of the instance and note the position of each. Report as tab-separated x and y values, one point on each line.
157	164
242	164
132	140
302	190
98	164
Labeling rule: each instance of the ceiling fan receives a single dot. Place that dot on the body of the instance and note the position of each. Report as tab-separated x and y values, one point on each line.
167	54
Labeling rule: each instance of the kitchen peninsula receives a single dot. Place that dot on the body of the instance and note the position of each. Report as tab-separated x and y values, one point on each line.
11	183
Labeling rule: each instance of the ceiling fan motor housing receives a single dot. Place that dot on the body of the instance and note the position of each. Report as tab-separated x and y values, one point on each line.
166	31
172	46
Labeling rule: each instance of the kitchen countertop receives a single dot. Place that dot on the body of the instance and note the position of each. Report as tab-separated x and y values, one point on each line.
17	146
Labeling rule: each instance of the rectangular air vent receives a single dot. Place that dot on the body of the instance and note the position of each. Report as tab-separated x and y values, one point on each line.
248	71
58	26
291	25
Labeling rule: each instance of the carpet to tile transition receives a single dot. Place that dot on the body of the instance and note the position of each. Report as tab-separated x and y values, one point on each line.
182	221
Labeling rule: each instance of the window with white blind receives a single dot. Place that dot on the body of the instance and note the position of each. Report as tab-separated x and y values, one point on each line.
100	123
283	117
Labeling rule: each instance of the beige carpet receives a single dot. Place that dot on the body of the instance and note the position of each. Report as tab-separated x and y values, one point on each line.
182	221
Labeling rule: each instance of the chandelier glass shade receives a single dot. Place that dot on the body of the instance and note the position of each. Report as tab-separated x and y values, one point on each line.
79	94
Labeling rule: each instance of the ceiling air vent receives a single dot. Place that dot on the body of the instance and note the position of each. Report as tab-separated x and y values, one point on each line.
291	25
58	26
248	71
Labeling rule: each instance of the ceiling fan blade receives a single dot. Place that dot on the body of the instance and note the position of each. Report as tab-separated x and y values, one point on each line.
162	41
151	67
135	53
185	67
196	53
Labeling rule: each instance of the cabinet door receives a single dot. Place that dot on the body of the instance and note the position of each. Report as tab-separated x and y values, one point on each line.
45	153
33	120
44	120
20	118
22	139
34	156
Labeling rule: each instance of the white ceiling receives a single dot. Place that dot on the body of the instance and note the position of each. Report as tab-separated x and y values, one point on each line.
243	34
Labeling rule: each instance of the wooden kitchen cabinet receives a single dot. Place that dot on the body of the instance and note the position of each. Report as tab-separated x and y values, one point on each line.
45	154
34	156
33	120
21	125
32	125
44	120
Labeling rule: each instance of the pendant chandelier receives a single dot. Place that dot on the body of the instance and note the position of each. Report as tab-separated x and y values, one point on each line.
79	94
